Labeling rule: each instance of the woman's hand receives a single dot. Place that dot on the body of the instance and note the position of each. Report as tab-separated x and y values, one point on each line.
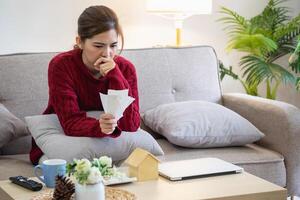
104	65
108	123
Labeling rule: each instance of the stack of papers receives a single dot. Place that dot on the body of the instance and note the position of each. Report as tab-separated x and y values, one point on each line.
115	102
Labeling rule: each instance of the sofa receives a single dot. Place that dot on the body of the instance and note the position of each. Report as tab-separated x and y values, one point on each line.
166	75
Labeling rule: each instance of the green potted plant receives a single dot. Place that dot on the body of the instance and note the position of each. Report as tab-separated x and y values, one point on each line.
264	38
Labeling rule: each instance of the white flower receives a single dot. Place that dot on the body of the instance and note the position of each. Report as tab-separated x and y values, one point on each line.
92	172
105	161
94	176
83	166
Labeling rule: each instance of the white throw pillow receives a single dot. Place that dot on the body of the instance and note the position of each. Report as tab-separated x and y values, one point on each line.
201	124
50	137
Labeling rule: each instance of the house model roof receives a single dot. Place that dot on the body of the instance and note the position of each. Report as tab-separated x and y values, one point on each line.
138	156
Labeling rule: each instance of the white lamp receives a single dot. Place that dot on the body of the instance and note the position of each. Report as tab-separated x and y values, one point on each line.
178	10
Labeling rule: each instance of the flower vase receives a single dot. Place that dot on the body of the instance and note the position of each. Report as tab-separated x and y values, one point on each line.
90	191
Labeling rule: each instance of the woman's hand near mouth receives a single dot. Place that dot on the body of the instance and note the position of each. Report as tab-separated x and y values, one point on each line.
104	65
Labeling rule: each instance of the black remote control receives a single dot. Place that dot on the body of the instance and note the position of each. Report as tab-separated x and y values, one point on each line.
26	183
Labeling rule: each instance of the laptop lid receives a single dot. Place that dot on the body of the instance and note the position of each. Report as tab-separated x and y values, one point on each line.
195	168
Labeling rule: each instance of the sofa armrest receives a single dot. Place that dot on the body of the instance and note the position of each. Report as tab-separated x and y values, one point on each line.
280	122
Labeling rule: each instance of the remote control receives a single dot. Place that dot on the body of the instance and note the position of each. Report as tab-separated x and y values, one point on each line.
26	183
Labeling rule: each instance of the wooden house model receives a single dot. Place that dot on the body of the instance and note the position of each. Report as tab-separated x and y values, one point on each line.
142	165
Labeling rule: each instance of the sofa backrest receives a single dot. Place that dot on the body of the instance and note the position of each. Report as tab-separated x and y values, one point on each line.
23	90
165	75
23	83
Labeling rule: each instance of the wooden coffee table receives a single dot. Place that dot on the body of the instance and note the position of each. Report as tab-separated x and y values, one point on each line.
242	186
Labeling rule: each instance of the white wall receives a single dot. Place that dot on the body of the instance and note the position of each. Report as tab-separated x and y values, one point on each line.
50	25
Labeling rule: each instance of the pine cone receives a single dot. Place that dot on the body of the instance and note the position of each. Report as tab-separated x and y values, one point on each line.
64	188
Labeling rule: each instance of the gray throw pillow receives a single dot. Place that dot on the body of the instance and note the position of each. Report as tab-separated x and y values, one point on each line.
50	137
200	124
11	127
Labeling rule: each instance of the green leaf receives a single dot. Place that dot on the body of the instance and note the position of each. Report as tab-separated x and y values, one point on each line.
233	21
298	83
70	168
280	51
255	44
287	32
256	70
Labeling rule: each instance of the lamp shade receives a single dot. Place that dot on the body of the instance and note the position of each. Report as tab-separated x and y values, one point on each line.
174	7
179	10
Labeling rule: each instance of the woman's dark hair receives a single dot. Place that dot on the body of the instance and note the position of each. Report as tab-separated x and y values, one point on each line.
98	19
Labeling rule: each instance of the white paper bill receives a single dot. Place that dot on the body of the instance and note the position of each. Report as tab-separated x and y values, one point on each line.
115	102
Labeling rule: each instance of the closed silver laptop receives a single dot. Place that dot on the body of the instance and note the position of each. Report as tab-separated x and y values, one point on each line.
195	168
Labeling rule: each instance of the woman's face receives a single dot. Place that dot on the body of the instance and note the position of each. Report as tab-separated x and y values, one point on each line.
100	45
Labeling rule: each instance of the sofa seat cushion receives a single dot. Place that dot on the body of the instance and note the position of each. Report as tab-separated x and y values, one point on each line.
14	165
256	160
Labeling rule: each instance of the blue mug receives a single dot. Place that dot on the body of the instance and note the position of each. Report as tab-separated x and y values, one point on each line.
50	169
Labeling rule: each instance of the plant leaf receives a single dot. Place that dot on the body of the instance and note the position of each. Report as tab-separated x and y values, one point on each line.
233	21
298	83
255	44
256	70
287	32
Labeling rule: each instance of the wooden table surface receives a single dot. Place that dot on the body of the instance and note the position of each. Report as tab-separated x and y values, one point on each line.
243	186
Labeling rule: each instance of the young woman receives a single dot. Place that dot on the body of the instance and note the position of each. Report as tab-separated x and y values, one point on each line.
76	77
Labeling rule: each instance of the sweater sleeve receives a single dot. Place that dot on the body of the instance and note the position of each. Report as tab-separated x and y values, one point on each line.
126	79
62	95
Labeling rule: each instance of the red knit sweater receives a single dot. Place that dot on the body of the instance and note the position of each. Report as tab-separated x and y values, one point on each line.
73	91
